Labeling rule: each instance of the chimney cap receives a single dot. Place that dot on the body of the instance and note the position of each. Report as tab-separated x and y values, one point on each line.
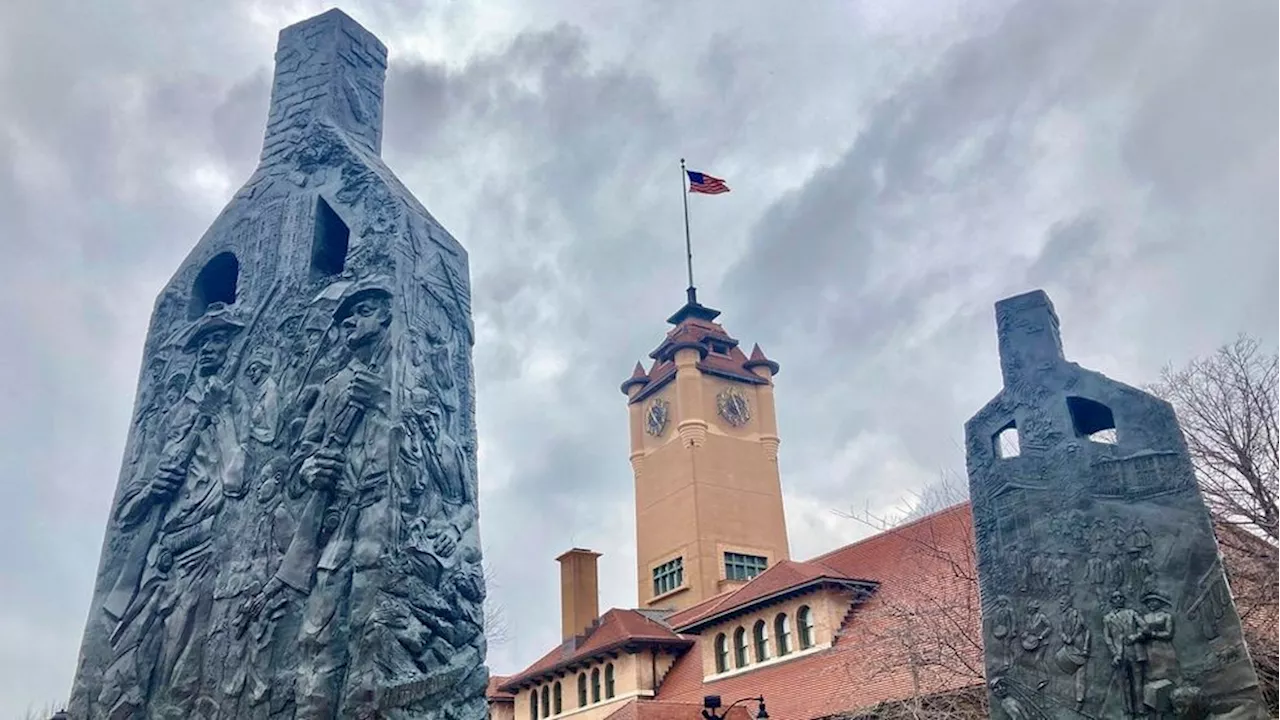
577	551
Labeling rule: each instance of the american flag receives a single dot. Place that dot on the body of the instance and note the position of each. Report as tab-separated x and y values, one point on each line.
705	184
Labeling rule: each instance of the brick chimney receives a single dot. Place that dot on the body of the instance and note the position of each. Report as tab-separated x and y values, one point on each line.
579	591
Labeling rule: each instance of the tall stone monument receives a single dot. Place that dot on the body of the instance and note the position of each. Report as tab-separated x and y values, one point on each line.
294	530
1102	587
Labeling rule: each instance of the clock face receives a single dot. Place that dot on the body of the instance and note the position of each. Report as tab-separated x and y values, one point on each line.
655	418
733	407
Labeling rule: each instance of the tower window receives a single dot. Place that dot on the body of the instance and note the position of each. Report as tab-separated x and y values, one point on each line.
216	283
608	680
557	701
582	689
1092	419
546	701
722	653
595	685
743	567
1006	441
533	704
740	648
668	576
329	248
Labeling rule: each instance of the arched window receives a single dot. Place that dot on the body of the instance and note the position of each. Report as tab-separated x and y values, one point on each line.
595	685
216	283
782	631
804	618
760	633
533	704
582	689
557	702
740	648
608	680
546	701
722	653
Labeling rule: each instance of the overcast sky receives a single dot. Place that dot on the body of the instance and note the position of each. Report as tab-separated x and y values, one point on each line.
896	169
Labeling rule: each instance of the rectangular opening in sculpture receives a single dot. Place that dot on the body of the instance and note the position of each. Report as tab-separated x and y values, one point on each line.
332	236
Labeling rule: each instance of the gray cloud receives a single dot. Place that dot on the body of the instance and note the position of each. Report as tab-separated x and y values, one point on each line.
890	182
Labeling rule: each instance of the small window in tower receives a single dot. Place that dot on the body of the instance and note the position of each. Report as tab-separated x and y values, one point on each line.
557	700
608	681
546	701
804	619
216	283
740	647
329	248
1006	441
582	689
1092	419
595	685
743	567
668	576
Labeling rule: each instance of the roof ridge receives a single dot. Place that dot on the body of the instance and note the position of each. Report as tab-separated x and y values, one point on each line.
891	531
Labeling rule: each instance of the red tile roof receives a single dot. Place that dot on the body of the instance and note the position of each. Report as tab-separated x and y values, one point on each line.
614	630
924	569
778	580
493	693
701	333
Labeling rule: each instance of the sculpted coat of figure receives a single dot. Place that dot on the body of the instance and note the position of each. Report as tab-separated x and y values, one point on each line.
345	461
168	578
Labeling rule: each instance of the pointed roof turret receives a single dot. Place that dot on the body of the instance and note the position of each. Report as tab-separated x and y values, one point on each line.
758	359
638	377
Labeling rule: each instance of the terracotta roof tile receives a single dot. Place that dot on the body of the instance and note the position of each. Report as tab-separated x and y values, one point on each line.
615	629
917	564
493	693
783	576
731	362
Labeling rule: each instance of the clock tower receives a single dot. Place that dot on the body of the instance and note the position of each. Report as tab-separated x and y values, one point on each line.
704	450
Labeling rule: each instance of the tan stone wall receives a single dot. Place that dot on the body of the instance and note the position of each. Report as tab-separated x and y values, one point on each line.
633	676
827	608
502	711
706	490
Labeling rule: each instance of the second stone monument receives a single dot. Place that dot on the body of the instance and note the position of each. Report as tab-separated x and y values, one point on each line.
1102	587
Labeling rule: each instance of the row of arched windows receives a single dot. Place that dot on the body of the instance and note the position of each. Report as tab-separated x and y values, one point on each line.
551	699
760	644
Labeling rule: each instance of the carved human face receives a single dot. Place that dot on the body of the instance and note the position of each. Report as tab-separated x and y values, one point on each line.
368	320
213	351
1117	600
1064	603
257	372
431	425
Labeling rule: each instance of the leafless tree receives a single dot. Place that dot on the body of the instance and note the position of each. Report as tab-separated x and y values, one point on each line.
495	617
933	629
1227	406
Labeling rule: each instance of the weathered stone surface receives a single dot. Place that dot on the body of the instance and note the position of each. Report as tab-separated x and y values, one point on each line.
1102	586
294	533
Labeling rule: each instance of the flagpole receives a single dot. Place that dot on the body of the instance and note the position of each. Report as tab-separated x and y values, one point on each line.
688	244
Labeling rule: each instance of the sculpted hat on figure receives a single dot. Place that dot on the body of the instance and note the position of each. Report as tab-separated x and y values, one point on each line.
295	541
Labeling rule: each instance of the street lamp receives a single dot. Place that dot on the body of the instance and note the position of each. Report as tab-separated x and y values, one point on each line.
712	703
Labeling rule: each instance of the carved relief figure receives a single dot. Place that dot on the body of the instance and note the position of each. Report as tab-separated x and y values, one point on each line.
1003	627
1073	654
265	414
1158	635
167	580
1123	629
1012	707
341	534
446	502
1035	635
